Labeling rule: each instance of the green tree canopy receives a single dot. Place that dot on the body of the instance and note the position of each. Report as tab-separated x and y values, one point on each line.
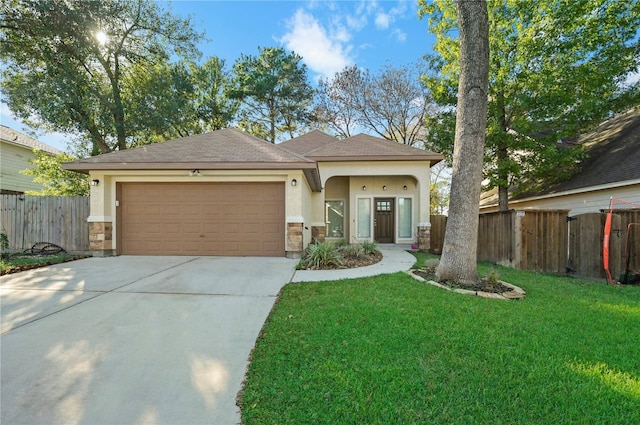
556	69
274	92
70	65
56	181
175	100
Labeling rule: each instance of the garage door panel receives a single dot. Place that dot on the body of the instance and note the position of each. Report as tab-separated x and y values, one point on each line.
202	218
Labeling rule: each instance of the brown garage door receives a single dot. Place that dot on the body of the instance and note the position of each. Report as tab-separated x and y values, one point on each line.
201	219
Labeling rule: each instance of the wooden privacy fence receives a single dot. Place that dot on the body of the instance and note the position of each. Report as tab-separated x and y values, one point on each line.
61	220
542	240
586	234
438	225
527	240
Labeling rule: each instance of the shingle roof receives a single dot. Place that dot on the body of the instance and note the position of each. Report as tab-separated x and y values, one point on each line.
362	147
228	148
308	142
15	137
612	154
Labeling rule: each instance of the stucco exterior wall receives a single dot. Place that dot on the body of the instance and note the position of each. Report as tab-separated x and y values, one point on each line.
377	179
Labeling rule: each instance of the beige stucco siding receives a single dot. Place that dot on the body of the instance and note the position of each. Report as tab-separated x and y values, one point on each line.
419	170
351	181
14	159
579	203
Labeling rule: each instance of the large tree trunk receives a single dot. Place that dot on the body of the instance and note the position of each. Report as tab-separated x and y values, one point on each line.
459	254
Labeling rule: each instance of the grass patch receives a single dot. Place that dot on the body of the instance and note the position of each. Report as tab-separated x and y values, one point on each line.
389	349
18	263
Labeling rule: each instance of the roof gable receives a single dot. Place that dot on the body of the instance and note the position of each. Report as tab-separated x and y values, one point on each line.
218	149
362	147
14	137
308	142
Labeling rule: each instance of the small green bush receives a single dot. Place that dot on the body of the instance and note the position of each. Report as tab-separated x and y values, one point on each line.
352	251
493	277
369	247
323	254
341	243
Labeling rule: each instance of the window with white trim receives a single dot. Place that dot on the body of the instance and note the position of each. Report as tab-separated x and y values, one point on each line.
405	215
364	218
334	218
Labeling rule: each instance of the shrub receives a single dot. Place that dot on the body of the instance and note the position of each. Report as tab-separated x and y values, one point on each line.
369	247
323	254
493	277
352	251
4	243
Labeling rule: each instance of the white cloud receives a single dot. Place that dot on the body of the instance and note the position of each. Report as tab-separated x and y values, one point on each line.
323	52
399	35
383	20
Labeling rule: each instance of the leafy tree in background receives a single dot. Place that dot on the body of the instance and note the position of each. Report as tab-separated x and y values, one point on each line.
392	104
56	181
70	65
556	70
180	99
458	261
274	92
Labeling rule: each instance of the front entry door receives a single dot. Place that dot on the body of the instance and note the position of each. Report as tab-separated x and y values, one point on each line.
383	221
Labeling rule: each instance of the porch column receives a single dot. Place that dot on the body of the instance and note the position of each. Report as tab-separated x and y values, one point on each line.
424	237
101	219
294	243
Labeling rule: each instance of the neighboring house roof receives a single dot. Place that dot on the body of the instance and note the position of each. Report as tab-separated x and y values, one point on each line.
612	155
14	137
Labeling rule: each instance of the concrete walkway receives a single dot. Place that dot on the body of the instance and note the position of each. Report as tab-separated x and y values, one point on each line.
395	258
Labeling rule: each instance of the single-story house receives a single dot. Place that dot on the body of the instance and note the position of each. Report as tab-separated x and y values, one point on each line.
610	169
16	150
230	193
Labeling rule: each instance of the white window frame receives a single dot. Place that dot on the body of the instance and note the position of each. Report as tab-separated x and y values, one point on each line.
344	219
371	218
413	205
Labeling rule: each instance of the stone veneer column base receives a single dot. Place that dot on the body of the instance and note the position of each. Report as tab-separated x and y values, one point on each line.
317	233
424	238
101	238
294	244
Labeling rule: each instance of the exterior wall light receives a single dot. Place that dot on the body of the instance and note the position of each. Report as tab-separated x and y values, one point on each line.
294	182
94	182
404	187
384	187
195	172
364	187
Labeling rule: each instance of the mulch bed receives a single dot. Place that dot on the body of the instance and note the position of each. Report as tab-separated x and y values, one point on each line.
497	288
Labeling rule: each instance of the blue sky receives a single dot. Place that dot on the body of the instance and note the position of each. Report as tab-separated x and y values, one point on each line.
329	35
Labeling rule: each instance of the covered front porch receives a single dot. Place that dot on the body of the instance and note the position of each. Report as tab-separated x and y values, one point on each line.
389	208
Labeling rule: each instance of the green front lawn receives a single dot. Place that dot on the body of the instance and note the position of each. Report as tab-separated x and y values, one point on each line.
391	350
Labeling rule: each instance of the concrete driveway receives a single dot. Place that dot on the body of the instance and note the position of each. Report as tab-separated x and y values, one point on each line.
133	340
